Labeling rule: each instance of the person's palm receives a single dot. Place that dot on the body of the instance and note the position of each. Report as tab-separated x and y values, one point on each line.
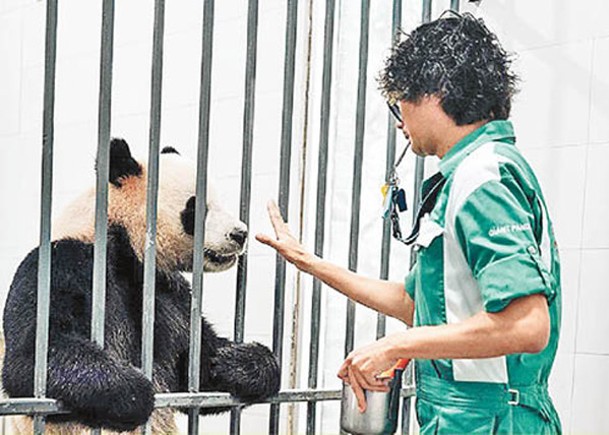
285	243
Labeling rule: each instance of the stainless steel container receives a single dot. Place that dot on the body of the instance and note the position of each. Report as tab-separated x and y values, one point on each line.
381	415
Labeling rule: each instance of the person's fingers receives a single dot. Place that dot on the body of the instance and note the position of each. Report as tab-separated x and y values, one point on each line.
358	391
343	371
277	221
263	238
361	379
369	382
343	367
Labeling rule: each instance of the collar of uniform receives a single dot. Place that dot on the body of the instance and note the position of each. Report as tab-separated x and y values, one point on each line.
500	131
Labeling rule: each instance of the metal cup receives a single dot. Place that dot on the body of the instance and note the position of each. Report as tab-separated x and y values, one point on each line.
381	415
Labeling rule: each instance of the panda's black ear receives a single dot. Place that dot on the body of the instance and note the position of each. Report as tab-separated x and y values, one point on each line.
121	163
169	150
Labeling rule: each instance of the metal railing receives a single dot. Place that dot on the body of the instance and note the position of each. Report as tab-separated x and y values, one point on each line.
39	406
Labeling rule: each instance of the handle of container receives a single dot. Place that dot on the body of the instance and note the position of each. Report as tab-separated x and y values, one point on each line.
400	365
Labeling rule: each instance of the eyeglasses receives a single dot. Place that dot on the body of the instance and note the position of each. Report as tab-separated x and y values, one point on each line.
395	110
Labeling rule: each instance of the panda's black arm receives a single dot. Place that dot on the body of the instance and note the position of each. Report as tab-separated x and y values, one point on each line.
248	371
98	390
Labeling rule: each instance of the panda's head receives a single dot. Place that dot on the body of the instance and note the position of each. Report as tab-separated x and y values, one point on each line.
225	236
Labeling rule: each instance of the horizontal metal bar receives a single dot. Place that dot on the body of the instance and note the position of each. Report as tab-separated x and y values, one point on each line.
210	400
28	405
180	400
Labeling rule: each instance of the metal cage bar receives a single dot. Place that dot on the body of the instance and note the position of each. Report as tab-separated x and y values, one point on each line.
246	180
194	357
101	191
358	157
18	406
44	250
284	188
103	157
148	310
322	171
246	159
396	19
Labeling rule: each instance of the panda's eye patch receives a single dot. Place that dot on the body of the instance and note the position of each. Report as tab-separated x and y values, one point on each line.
188	216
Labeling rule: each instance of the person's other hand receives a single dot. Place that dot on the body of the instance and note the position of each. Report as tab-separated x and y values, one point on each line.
285	243
363	365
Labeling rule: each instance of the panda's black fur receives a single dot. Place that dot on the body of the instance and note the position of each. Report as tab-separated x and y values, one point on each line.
103	387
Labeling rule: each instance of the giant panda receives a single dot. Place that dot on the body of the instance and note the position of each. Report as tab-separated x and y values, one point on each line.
104	387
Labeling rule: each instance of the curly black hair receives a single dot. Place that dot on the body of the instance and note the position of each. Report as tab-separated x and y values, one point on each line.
458	59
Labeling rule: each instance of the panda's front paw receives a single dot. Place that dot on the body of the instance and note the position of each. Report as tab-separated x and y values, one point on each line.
121	405
249	371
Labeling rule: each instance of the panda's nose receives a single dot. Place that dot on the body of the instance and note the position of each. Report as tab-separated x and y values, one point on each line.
238	235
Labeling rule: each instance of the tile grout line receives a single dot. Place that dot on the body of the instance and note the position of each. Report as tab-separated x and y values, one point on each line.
581	250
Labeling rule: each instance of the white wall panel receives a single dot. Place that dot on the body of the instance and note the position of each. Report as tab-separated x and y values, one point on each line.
590	394
599	97
596	209
592	324
562	174
10	72
552	108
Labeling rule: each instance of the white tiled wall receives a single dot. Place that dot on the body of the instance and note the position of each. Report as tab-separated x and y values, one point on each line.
590	399
560	115
596	211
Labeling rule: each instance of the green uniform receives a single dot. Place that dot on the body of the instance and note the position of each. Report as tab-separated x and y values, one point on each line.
487	241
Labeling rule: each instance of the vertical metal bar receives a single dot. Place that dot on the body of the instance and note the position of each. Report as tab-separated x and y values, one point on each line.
246	179
454	5
406	409
360	123
44	250
246	160
101	192
426	15
322	171
194	360
396	20
151	196
284	187
101	203
419	170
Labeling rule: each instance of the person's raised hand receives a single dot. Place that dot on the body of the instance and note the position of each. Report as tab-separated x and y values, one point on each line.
284	242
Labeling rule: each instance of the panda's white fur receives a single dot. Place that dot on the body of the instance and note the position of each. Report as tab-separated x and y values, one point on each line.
127	207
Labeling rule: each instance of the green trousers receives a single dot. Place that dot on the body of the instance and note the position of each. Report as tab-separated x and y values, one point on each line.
449	407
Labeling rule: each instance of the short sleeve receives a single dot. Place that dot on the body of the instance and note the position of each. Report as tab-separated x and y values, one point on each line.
410	281
495	229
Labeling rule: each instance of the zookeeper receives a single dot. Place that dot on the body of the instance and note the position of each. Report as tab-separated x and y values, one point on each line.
484	295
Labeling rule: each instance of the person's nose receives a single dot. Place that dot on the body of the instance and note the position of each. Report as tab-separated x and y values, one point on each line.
401	126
